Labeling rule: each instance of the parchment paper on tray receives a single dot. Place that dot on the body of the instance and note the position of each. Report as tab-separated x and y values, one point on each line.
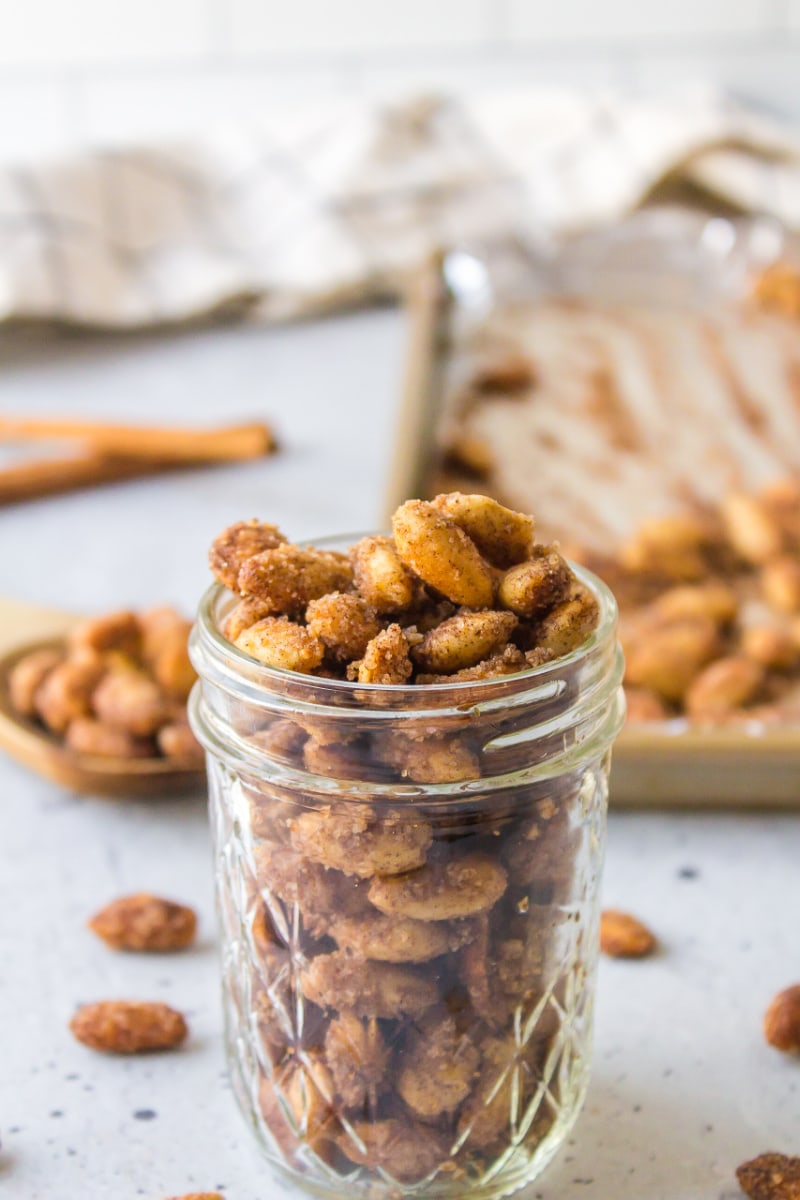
630	375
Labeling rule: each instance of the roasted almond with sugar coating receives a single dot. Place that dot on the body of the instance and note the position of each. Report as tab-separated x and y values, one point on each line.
128	699
439	758
782	1021
780	582
128	1026
773	648
723	686
144	922
113	631
27	676
752	530
359	843
404	1149
277	642
66	691
344	622
531	588
623	936
442	892
644	705
385	660
667	658
714	600
199	1196
177	742
504	537
171	665
85	735
674	546
392	939
288	578
771	1176
380	576
442	554
567	625
509	661
357	1057
438	1068
242	616
367	989
464	640
231	550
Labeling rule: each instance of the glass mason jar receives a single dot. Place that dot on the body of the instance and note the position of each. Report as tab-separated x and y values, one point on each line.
408	884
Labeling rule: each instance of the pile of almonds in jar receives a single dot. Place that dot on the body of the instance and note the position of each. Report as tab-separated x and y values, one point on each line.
117	687
710	610
459	593
431	949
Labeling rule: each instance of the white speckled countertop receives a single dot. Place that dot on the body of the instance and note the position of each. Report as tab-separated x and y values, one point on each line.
684	1087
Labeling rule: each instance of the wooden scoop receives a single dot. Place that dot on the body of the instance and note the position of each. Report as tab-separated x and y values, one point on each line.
25	627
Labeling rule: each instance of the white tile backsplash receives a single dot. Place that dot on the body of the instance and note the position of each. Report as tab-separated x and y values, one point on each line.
163	104
116	70
610	20
492	71
38	119
768	77
356	26
67	32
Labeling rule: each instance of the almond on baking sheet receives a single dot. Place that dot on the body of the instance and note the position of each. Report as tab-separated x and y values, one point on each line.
770	1177
145	922
623	936
128	1026
782	1021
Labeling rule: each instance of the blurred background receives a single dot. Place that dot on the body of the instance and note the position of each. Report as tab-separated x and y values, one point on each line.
76	73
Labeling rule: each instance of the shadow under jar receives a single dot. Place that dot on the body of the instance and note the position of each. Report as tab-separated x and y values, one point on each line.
408	881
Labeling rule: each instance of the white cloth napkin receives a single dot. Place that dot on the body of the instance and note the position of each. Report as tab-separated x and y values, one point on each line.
339	203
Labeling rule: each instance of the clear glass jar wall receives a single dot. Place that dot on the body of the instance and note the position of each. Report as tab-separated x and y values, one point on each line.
408	890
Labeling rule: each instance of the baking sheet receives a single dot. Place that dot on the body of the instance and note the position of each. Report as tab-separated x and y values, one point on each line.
678	260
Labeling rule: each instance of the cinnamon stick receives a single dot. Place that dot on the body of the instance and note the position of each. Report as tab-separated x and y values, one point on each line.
227	443
47	476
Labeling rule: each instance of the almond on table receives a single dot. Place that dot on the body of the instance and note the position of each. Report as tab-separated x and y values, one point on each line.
782	1021
198	1196
771	1176
128	1026
624	936
144	922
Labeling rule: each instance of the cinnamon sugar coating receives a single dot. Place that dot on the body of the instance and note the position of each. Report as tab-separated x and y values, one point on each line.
287	578
144	922
770	1176
128	1026
460	888
414	608
358	1058
438	1070
380	577
236	544
358	843
366	988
